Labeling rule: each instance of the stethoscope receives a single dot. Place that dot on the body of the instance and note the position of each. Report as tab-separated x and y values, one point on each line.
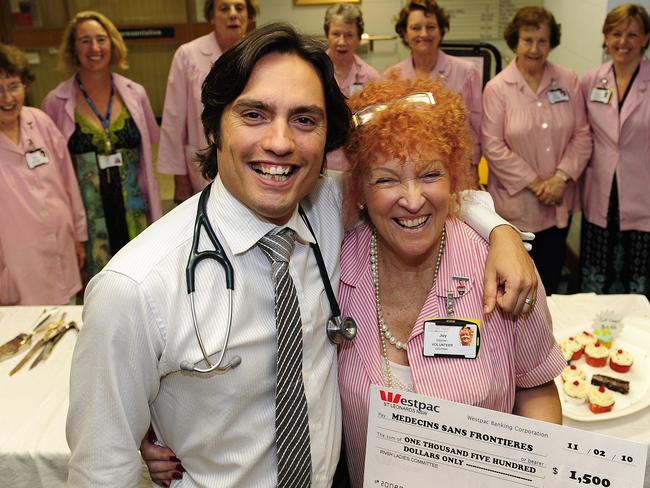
337	328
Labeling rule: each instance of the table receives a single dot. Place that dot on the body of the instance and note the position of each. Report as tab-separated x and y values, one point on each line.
34	404
572	310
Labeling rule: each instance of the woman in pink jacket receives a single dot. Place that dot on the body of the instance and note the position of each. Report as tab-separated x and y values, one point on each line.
109	125
422	24
615	245
343	27
42	219
536	139
182	132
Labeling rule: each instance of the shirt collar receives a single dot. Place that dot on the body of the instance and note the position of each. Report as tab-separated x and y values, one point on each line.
242	228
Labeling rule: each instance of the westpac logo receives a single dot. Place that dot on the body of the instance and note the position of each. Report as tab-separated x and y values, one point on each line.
389	396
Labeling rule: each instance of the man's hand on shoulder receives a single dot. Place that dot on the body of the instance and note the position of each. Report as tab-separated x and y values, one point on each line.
510	275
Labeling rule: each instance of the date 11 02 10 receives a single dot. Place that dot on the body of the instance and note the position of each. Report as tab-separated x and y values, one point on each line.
600	453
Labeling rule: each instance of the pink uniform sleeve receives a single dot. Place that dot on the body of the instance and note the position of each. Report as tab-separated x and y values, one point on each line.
66	169
473	89
538	359
173	134
513	171
577	152
150	118
8	291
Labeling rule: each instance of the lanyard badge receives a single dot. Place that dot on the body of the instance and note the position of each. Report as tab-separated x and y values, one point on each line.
452	338
105	121
36	158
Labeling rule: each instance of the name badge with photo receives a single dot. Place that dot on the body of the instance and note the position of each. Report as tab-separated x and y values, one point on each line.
452	338
109	161
601	94
36	158
557	95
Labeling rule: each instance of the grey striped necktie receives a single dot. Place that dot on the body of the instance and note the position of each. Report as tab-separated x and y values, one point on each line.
291	423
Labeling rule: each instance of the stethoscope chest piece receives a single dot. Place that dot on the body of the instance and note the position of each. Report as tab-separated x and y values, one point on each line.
341	328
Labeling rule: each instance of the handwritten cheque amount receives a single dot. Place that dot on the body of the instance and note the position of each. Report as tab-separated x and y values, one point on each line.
416	441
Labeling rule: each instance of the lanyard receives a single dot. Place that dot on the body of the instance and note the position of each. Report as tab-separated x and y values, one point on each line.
105	121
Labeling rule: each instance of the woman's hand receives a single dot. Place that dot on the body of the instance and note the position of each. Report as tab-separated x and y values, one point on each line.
162	463
80	250
551	191
510	275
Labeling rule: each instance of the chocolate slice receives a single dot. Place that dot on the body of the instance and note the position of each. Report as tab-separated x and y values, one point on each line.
613	384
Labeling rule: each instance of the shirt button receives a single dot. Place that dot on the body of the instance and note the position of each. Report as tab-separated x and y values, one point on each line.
544	125
548	149
305	376
539	104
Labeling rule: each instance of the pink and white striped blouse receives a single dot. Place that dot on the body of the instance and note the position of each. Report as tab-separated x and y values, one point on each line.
514	352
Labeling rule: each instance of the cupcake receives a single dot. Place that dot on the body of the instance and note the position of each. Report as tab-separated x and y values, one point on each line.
571	349
620	361
604	336
585	338
572	372
576	390
601	400
596	355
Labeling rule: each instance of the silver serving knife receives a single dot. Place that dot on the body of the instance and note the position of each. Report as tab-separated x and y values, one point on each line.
49	345
22	340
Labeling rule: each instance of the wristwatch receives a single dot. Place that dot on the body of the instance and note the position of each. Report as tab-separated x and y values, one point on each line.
562	176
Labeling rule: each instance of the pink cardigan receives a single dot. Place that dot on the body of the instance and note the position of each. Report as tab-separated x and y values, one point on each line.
60	105
514	353
621	148
524	136
182	130
42	216
460	76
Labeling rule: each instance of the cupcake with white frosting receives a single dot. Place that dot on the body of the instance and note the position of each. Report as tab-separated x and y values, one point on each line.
572	371
571	349
576	390
620	361
596	355
601	400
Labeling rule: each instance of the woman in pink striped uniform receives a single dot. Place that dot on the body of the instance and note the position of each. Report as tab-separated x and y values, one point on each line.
406	254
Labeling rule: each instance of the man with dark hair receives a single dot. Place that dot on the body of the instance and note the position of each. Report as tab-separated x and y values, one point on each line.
270	415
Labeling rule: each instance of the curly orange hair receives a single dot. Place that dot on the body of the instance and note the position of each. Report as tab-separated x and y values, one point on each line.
407	132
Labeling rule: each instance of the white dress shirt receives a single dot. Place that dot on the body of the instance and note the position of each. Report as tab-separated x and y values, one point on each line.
138	329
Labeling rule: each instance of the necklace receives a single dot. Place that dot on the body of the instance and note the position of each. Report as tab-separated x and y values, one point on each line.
384	333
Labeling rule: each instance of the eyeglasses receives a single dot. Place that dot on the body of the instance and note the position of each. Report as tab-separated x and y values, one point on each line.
366	114
14	89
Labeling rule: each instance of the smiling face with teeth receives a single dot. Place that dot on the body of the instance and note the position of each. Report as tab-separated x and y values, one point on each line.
93	46
408	204
12	99
272	137
626	42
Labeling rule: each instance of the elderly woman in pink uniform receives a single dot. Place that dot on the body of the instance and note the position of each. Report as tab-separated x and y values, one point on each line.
422	24
615	244
109	127
536	139
182	133
42	220
343	28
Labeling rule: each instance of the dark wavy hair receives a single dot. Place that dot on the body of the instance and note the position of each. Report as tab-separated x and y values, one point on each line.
13	62
230	73
531	17
429	7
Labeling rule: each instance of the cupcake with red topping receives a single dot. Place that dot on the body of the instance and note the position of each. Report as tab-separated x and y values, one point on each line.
571	349
585	338
596	355
601	400
572	372
620	361
576	390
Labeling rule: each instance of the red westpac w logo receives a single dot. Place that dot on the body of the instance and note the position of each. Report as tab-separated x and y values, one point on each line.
389	396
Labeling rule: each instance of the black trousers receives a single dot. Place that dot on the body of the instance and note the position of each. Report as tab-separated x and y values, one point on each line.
549	253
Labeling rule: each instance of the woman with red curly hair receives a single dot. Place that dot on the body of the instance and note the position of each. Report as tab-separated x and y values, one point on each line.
407	157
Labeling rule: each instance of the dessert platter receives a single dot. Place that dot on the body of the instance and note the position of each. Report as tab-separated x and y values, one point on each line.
608	365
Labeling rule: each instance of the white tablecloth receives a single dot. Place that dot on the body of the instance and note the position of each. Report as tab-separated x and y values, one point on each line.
580	310
33	407
34	404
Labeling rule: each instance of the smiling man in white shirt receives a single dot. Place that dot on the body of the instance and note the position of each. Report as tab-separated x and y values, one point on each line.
272	110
